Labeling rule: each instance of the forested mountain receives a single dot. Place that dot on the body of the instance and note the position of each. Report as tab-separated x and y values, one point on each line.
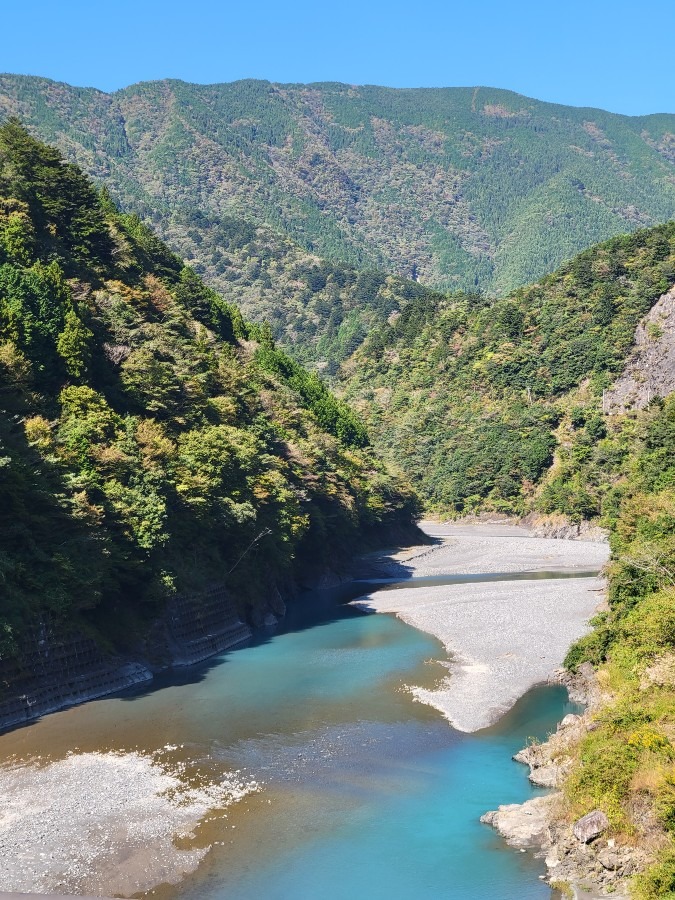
474	397
463	188
151	441
321	310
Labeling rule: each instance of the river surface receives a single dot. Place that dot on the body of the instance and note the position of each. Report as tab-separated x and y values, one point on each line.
366	794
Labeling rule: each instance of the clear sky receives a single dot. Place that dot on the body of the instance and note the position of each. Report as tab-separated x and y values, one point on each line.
615	55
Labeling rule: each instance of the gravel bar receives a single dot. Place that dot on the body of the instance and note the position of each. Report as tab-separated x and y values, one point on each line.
503	637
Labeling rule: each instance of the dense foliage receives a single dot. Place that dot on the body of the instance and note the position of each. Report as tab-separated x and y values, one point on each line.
151	441
466	393
467	189
320	310
622	468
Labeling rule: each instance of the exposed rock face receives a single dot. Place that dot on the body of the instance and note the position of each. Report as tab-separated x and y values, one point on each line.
593	869
522	824
550	762
650	369
582	687
598	867
559	526
661	672
590	826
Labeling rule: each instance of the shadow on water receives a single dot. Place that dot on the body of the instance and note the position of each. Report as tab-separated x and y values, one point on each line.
315	608
366	793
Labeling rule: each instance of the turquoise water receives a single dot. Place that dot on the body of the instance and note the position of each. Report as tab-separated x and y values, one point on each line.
366	794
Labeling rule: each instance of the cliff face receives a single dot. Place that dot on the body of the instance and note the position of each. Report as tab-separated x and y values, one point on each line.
649	372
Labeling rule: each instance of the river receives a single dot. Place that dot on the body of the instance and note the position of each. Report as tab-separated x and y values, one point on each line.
364	793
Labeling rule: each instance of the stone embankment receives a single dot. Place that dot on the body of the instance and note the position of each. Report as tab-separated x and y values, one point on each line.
57	669
578	854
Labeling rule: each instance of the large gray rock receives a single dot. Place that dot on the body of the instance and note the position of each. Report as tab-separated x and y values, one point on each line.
523	824
590	826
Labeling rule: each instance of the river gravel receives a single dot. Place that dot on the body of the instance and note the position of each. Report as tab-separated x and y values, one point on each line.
503	637
486	549
104	823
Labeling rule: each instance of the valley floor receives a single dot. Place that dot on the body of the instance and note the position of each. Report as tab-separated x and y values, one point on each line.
503	635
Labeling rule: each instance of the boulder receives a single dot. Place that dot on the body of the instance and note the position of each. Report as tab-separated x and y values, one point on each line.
569	720
610	859
523	824
590	826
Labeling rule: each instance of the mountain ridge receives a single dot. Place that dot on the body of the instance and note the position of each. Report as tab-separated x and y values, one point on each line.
332	84
458	187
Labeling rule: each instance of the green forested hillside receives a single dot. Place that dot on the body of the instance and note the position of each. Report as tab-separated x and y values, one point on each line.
321	310
465	188
151	441
472	396
625	765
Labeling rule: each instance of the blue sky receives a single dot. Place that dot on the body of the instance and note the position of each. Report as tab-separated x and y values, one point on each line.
593	53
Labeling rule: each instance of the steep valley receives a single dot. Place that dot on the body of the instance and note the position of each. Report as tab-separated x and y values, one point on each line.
166	460
166	471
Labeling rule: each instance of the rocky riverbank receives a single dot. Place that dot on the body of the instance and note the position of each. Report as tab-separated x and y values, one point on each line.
581	858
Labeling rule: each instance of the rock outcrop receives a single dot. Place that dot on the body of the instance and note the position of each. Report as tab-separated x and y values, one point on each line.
590	826
523	825
650	369
560	527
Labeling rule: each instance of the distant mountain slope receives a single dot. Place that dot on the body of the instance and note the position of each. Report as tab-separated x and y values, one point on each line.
322	309
475	398
152	443
465	188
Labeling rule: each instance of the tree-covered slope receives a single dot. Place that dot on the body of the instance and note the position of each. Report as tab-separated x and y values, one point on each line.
152	442
464	188
470	396
321	310
625	763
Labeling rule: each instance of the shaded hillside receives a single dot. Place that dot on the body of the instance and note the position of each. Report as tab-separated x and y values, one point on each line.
471	396
152	442
464	187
